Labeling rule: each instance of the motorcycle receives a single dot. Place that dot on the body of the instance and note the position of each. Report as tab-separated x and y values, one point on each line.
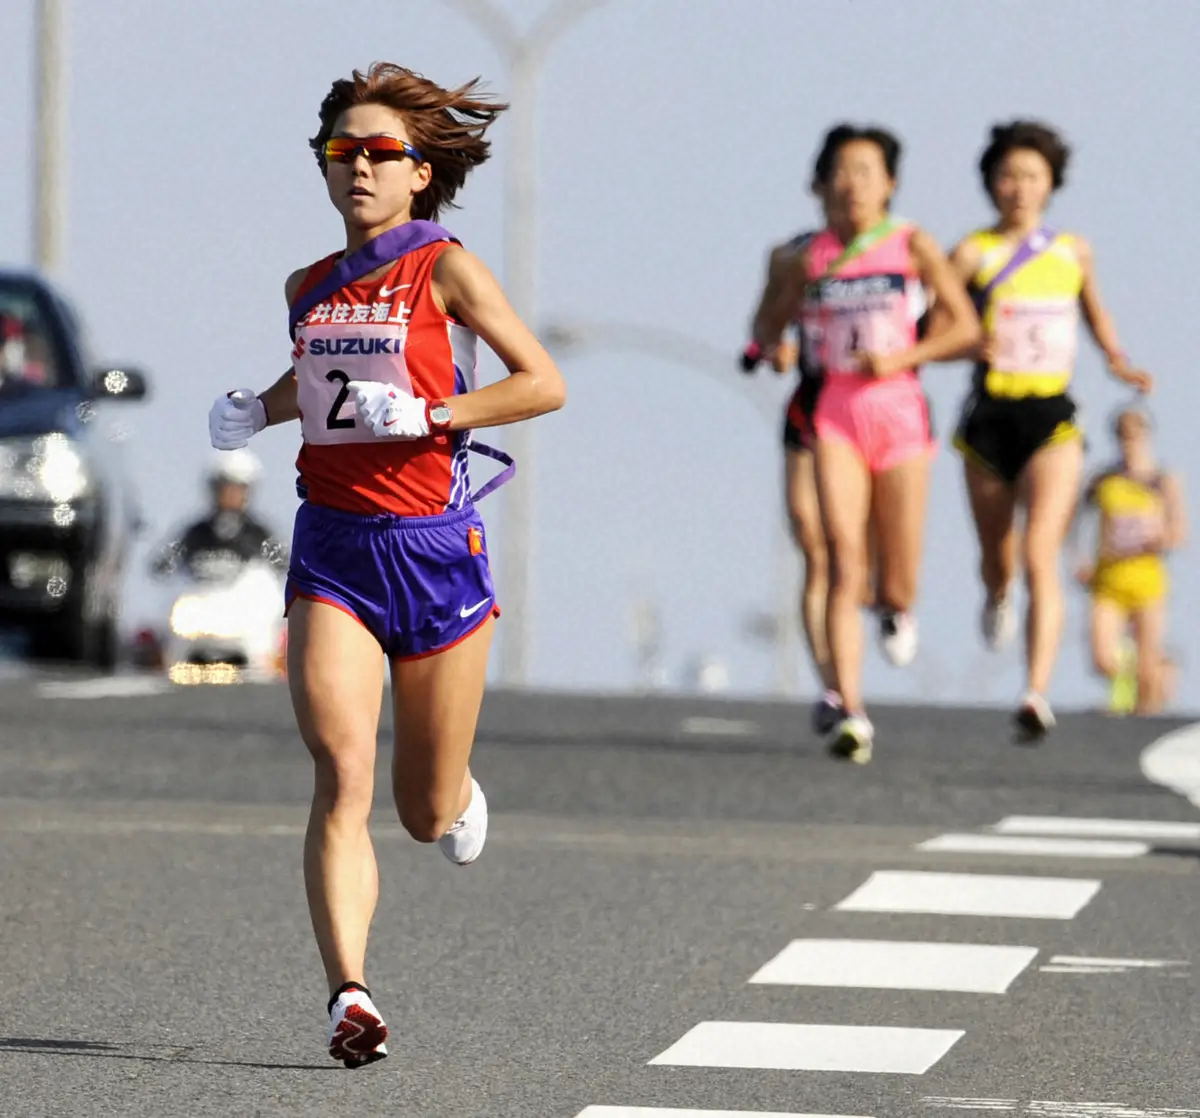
216	620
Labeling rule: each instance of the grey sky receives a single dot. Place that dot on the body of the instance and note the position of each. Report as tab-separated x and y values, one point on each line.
676	141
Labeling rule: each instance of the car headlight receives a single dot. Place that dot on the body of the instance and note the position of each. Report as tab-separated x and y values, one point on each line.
47	468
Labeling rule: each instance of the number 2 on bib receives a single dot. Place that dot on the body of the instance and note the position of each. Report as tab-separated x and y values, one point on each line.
332	422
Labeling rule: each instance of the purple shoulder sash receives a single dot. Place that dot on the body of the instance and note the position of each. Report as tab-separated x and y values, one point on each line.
391	245
374	254
1029	249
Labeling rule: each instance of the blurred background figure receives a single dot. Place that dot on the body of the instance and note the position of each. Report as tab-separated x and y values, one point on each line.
24	355
1021	445
227	536
1141	515
218	590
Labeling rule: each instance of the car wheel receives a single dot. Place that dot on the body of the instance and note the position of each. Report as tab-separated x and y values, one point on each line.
64	636
74	636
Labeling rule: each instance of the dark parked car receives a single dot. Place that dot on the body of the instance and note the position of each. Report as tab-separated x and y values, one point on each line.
68	511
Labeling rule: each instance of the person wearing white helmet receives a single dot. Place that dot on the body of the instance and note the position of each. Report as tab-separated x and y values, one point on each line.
227	535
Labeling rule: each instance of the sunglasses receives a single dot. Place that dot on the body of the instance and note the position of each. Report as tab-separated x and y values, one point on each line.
377	149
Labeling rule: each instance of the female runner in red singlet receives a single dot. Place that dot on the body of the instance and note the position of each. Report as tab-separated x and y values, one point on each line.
389	560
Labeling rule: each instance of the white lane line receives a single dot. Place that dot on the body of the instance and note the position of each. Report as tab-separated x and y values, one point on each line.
659	1112
1033	847
1095	828
1051	968
950	1102
969	894
1089	961
890	965
1055	1109
853	1048
718	727
105	687
1174	762
1103	1110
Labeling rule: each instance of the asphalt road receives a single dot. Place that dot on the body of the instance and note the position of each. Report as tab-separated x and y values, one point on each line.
646	859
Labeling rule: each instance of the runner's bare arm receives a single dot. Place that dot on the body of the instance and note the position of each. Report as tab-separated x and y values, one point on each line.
1101	325
959	330
1175	513
465	289
965	259
783	292
781	355
280	399
1081	535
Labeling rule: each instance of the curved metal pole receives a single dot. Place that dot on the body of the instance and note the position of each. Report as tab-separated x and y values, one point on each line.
524	55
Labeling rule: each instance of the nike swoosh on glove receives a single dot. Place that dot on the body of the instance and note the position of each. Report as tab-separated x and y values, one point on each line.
235	418
388	411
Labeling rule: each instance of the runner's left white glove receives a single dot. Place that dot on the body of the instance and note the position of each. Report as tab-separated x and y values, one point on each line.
388	411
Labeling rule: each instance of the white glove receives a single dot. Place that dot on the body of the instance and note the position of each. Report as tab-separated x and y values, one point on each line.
389	411
235	418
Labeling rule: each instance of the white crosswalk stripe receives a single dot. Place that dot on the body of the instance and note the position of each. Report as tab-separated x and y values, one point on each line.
785	1047
887	965
934	967
1147	830
961	894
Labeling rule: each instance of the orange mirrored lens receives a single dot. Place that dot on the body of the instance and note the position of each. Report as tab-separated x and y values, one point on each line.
345	149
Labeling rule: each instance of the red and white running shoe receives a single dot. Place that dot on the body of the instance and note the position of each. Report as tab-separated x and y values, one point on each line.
356	1030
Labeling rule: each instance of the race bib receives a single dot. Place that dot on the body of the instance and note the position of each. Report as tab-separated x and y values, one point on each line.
326	358
1132	534
867	314
1037	337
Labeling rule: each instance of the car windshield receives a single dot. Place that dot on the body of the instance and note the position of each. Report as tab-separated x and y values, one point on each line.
30	357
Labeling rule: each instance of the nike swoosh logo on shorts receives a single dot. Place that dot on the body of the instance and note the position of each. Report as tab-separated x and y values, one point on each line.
464	612
386	291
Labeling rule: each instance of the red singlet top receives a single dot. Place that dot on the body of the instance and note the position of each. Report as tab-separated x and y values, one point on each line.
391	330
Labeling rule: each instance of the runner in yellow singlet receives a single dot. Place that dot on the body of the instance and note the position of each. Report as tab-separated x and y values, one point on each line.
1141	518
1018	435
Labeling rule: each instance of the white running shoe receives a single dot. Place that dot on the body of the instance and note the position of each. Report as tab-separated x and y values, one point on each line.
898	636
1034	717
853	739
998	622
356	1030
463	843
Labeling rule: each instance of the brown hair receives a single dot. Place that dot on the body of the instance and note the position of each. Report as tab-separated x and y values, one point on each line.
445	125
1031	135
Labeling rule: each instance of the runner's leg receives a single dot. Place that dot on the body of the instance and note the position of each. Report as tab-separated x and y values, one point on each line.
1051	482
437	701
804	513
844	486
335	674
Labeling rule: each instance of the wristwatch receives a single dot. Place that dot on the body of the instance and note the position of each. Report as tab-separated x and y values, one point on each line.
438	415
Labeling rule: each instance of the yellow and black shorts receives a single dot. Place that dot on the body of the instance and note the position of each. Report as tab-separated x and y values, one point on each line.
1003	435
1131	584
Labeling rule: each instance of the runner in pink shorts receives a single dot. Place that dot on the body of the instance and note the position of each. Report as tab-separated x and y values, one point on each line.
862	283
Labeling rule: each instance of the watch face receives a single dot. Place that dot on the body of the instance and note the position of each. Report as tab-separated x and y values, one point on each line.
440	415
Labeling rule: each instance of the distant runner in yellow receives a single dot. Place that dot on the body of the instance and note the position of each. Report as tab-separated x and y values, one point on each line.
1020	440
1141	517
